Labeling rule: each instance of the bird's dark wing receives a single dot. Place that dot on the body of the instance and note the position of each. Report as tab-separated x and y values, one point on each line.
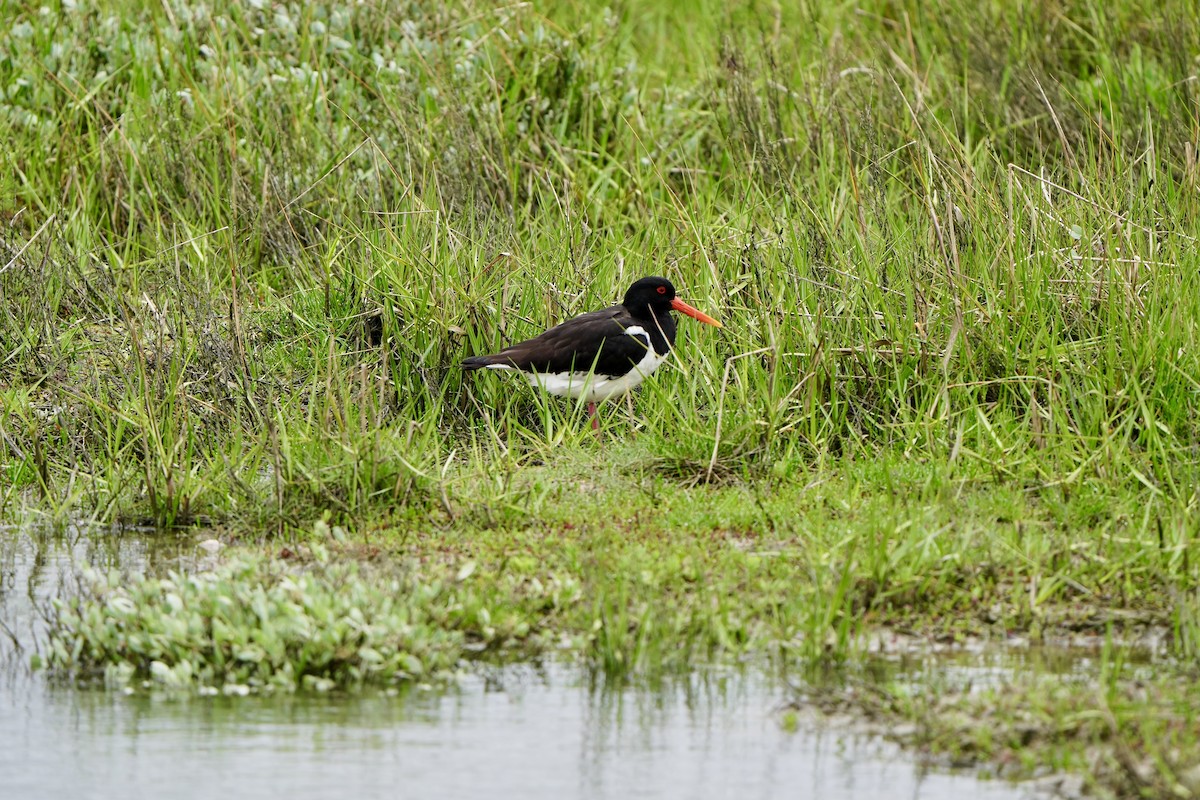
597	338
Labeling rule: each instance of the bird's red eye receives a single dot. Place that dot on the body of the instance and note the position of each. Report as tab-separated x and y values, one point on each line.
662	290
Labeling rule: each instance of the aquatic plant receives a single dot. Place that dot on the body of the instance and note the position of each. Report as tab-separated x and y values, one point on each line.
253	624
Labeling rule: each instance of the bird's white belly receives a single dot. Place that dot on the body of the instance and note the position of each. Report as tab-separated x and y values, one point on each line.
592	387
596	387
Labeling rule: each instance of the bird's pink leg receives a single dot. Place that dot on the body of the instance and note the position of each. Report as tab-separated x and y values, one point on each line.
595	419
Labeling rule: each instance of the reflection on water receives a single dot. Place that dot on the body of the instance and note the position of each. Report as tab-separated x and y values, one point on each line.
35	564
539	736
521	732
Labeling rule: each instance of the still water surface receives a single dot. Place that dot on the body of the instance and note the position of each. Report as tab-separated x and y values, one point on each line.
515	733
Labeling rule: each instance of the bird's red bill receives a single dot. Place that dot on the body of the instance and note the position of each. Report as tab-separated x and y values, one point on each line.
695	313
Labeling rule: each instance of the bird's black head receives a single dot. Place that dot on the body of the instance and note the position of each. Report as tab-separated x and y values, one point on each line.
656	297
649	293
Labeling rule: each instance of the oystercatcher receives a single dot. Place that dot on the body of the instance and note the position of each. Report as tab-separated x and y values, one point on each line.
601	354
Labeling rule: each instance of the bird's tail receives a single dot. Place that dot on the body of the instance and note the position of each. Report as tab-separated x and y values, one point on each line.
477	362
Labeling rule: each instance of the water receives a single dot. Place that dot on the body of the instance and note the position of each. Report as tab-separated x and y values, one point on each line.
521	733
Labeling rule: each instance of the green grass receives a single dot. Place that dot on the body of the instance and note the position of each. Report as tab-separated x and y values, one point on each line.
243	249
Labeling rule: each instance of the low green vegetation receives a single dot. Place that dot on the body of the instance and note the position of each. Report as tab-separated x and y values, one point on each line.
243	248
258	625
1089	720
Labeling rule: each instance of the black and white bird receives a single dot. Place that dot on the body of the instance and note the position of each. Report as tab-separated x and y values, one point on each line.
601	354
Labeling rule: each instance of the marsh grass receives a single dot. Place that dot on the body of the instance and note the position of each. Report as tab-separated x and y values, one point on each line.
236	258
1048	712
244	247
